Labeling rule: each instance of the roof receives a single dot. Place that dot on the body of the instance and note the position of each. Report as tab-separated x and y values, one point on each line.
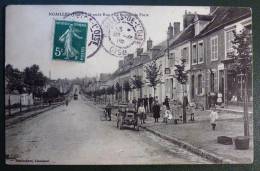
204	17
186	34
224	16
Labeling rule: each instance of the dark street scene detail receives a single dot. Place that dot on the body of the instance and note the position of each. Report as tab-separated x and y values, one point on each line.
123	89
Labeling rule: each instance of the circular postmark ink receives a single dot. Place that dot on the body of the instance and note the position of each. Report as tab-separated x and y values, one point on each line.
94	32
123	32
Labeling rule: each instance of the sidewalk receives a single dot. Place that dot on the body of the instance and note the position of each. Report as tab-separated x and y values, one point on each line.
199	138
25	115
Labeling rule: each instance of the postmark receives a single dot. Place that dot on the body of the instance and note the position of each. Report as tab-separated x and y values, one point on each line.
123	32
94	31
70	40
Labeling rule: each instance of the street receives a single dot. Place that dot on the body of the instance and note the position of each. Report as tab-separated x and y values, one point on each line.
76	135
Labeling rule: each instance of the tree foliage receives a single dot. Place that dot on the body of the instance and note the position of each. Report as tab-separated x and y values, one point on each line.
242	55
136	82
180	74
153	73
14	79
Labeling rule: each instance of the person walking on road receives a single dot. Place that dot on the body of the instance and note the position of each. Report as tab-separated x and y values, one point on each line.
156	111
134	102
213	117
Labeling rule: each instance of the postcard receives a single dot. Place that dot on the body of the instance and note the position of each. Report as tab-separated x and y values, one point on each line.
118	84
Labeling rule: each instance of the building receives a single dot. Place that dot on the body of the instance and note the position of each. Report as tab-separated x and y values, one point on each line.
210	46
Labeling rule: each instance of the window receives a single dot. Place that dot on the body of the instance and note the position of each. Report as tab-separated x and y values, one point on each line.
200	52
214	48
229	39
185	54
192	87
194	54
199	84
212	84
171	59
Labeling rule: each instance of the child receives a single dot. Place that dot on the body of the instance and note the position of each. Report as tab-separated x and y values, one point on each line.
167	115
213	117
141	112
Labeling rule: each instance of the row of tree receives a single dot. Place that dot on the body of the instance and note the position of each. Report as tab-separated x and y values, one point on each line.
30	80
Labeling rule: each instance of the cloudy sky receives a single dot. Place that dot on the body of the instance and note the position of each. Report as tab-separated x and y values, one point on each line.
29	36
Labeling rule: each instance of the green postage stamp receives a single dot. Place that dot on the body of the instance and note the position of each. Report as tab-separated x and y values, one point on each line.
70	39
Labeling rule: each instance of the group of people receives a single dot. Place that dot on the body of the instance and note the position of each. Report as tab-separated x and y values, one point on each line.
151	105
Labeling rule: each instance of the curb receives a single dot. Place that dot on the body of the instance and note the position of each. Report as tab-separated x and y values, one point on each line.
203	153
15	121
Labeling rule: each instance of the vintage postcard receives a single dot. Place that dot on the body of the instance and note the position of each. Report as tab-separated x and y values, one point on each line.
103	84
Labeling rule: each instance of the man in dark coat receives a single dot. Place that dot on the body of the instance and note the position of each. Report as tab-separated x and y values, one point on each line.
166	102
150	103
145	100
156	111
134	102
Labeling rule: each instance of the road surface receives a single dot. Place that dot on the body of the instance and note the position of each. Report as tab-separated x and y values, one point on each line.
76	135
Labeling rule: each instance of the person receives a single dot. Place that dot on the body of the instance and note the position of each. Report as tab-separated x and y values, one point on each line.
67	102
108	110
192	111
145	100
167	115
185	101
156	111
141	112
150	102
166	101
163	109
213	117
139	101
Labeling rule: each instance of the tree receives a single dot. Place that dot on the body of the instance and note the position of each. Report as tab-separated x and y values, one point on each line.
153	74
34	79
137	83
242	65
127	88
182	77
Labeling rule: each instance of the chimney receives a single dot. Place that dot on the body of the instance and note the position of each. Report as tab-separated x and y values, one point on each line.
170	31
187	19
176	26
139	51
149	44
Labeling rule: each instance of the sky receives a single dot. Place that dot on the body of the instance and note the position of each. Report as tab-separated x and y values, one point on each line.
29	36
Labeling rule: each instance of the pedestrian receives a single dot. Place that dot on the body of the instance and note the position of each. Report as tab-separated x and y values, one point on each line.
166	101
156	111
145	100
150	102
213	117
141	112
108	110
167	115
139	101
134	102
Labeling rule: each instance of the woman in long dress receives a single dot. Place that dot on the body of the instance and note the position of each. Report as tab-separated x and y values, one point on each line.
69	50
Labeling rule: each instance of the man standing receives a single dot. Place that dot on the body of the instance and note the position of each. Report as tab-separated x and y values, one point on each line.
150	102
156	111
134	102
145	103
166	102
